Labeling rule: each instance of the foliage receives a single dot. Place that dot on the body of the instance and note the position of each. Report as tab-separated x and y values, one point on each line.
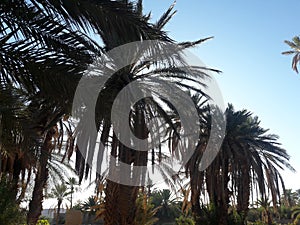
296	214
295	50
10	212
43	222
250	161
253	215
77	205
234	218
285	212
59	192
184	221
169	208
72	183
145	210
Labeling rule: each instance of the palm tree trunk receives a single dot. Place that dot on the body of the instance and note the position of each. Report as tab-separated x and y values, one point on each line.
243	192
35	205
196	182
16	175
72	190
58	211
224	200
217	179
120	203
120	199
196	209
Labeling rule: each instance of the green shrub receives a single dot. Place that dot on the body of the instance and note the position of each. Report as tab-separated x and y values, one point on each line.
43	222
253	215
10	212
184	221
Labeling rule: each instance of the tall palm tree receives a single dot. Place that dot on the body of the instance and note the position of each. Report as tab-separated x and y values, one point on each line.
295	46
119	196
249	161
31	43
42	36
15	139
36	35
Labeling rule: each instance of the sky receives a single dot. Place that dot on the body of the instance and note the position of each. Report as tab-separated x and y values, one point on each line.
248	41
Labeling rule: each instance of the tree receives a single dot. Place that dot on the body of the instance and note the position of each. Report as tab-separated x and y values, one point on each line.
249	160
168	206
44	36
172	69
36	35
295	46
266	217
72	182
290	198
31	43
60	192
146	211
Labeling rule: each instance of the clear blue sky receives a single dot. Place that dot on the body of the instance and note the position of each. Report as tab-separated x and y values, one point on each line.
249	39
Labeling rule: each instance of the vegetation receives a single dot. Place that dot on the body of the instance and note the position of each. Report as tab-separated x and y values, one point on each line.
59	192
45	48
10	211
295	50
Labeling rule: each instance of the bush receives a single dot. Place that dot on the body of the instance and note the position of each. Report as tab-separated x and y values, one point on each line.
43	222
253	215
10	212
184	221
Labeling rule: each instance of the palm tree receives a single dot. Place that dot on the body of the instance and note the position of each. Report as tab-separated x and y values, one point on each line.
249	161
297	196
295	46
15	139
72	182
37	35
31	43
33	52
266	217
59	192
119	196
91	206
290	198
146	211
19	145
168	206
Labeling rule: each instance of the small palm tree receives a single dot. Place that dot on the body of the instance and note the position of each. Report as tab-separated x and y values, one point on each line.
169	207
60	192
295	46
90	206
146	211
72	183
290	198
266	217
